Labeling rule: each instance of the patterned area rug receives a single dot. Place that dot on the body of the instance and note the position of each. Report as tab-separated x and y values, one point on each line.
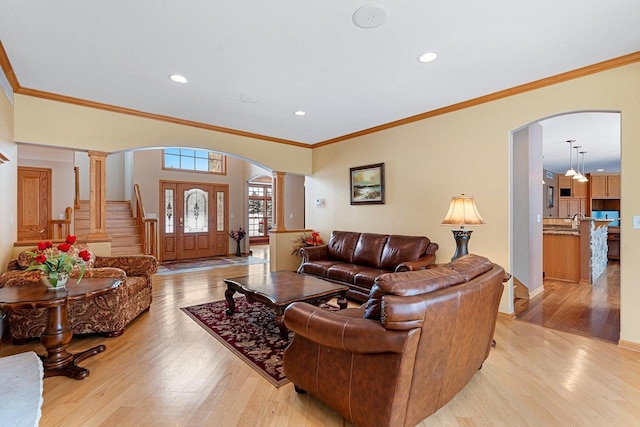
171	267
251	333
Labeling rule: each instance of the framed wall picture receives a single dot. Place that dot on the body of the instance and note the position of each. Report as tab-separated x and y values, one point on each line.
367	184
550	197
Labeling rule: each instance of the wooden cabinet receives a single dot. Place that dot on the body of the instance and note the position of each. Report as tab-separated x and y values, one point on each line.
564	185
579	189
570	187
613	243
561	257
568	207
605	186
572	198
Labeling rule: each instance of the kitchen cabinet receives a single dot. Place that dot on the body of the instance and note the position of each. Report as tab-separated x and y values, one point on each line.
568	207
605	186
571	188
613	243
572	197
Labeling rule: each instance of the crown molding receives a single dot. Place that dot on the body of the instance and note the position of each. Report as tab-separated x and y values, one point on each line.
516	90
8	69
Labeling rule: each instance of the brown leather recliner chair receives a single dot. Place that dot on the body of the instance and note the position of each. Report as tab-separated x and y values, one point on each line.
420	338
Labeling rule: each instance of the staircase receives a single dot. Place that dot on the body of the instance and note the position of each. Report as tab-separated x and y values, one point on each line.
121	227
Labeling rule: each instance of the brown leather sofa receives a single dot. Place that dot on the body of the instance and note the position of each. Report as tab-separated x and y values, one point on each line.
357	259
108	313
396	360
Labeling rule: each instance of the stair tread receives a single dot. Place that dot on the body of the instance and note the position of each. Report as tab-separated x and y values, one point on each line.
121	226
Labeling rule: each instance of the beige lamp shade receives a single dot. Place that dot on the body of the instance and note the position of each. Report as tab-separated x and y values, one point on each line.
462	211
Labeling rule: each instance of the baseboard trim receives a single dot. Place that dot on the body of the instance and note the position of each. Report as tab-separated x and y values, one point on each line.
507	316
628	345
537	291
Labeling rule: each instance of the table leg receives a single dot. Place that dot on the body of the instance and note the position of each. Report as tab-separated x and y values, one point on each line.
284	332
342	302
55	340
231	304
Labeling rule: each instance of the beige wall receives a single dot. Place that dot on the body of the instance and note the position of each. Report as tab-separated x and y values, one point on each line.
427	162
66	125
8	178
468	151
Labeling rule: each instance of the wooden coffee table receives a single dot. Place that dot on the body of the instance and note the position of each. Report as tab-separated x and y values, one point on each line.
281	288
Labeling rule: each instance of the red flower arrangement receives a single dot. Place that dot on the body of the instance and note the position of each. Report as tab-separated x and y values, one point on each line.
56	264
305	240
314	240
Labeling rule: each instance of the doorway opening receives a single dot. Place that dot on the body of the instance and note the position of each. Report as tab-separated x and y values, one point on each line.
539	160
194	222
260	211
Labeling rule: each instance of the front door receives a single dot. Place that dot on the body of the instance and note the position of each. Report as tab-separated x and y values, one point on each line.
194	222
34	203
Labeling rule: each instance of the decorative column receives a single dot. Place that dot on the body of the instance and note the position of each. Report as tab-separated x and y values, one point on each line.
97	195
278	203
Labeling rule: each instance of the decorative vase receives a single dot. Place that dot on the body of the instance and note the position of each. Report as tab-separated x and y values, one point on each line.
63	278
238	253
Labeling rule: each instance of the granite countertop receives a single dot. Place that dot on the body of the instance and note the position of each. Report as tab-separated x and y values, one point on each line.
566	231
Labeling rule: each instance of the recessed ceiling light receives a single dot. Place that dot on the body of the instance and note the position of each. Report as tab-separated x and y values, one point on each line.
248	99
428	57
178	78
300	113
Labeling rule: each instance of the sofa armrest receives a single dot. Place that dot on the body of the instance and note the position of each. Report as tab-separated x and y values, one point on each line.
13	265
133	265
353	335
314	253
432	248
417	264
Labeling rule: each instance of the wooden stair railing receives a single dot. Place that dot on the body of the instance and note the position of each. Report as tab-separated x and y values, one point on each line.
61	228
148	226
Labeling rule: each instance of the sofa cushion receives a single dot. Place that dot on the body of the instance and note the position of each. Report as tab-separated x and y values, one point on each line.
402	248
409	283
470	266
366	277
368	250
317	268
341	245
344	272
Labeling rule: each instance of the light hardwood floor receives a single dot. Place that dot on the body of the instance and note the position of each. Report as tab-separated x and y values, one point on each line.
584	309
168	371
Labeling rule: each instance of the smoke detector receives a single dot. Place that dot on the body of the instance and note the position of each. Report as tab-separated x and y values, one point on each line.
370	16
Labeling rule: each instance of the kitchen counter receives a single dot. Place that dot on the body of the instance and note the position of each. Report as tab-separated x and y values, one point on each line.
560	231
574	254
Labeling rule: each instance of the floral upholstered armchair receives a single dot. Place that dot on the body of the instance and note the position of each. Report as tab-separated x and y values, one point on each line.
108	313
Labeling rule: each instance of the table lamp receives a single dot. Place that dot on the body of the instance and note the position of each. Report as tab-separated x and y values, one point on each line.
462	211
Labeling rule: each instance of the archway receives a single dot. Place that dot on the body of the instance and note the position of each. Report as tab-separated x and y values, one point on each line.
536	168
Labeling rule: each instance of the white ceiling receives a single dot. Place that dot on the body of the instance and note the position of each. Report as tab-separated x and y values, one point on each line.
596	133
304	55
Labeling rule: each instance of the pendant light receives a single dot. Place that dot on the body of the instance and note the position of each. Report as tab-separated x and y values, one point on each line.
584	177
578	175
570	171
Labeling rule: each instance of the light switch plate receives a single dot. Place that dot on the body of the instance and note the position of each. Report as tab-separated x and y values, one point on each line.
636	221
